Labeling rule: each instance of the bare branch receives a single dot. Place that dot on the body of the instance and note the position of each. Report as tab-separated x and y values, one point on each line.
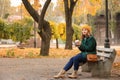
72	5
31	10
44	9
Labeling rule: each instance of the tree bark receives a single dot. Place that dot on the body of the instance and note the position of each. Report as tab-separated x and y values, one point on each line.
68	18
57	46
43	26
45	34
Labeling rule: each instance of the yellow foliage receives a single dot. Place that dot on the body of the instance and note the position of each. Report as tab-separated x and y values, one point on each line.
54	28
61	27
61	5
62	30
77	32
87	7
36	5
92	10
58	30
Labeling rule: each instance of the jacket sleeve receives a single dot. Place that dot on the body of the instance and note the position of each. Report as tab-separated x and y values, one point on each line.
80	48
89	46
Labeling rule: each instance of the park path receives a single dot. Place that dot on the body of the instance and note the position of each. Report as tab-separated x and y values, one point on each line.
39	69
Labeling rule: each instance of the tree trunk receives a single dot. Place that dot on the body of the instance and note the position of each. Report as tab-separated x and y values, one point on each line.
69	6
43	26
57	43
45	37
69	33
45	44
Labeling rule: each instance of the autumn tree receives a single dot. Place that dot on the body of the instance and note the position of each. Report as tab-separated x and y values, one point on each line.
55	34
114	10
3	29
62	31
58	32
73	10
84	8
77	32
69	7
43	25
21	30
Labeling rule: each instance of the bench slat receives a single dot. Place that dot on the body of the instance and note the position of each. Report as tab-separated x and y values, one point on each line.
105	50
103	54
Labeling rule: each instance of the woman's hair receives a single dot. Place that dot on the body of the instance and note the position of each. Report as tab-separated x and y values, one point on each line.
87	27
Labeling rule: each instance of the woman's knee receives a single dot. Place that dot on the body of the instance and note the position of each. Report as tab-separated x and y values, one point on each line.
75	59
71	58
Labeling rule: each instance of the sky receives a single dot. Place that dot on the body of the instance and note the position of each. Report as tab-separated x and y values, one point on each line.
18	2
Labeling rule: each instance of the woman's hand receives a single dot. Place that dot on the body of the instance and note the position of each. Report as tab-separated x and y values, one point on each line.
77	43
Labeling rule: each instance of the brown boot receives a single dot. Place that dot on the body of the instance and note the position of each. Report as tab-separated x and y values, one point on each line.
73	75
61	74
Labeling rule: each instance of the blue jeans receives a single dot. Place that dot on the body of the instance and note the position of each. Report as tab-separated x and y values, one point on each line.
75	61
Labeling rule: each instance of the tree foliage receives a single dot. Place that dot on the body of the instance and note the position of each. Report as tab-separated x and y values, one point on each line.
87	7
17	31
4	29
77	32
54	28
59	31
22	30
62	31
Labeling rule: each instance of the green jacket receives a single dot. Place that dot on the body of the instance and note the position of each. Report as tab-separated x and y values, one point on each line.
88	45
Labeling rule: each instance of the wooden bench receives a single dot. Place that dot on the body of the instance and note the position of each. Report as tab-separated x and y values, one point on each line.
102	67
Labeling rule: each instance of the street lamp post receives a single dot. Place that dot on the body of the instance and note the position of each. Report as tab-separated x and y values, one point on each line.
106	45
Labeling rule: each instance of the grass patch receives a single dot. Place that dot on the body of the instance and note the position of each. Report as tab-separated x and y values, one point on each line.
10	53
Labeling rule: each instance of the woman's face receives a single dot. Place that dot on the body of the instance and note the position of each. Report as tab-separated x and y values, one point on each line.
85	32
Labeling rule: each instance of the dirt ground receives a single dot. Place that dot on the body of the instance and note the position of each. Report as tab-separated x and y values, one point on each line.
41	69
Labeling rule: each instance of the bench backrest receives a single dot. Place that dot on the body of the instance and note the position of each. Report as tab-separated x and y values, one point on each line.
104	52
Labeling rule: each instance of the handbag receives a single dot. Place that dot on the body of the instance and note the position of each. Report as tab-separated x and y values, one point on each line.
92	57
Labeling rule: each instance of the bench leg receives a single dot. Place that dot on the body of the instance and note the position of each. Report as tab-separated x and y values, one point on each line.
87	67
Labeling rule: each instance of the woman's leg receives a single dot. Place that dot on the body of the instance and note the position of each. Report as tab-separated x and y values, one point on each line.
74	60
66	68
77	60
69	64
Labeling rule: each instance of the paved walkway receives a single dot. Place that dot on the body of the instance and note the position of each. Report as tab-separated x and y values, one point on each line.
38	69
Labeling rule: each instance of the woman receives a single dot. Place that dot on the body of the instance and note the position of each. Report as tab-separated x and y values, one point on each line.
87	45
